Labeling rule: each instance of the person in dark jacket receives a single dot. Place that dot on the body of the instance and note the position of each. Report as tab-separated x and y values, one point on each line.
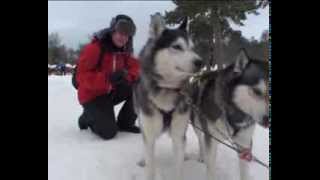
61	68
106	71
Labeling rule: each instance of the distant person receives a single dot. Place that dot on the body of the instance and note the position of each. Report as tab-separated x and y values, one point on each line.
105	73
61	68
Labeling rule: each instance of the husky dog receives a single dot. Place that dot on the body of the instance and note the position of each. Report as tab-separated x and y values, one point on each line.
230	102
167	61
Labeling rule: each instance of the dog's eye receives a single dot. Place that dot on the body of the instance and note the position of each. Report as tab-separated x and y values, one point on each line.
177	47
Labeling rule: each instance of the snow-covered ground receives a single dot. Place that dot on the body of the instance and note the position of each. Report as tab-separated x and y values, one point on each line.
80	155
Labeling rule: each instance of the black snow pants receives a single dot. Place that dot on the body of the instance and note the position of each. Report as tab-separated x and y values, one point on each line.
100	112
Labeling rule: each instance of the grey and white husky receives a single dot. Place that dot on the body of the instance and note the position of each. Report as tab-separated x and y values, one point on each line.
167	62
230	103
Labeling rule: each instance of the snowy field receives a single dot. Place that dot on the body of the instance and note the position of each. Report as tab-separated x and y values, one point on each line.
80	155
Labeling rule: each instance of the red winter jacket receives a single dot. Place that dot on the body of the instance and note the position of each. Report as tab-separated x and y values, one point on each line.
93	82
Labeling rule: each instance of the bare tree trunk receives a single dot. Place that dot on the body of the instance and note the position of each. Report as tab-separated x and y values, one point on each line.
217	42
211	61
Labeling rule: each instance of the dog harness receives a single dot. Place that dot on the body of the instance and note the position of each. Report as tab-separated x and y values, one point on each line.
167	117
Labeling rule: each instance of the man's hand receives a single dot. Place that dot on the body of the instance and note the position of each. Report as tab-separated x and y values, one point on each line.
118	77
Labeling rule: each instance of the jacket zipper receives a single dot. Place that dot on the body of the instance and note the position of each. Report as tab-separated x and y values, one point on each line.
113	63
113	68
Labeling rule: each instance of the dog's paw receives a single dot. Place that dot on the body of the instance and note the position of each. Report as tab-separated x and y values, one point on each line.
141	163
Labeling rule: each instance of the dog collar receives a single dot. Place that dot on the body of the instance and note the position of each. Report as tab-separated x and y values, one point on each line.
170	89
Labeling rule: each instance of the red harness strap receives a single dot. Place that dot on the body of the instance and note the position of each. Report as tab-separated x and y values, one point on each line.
246	153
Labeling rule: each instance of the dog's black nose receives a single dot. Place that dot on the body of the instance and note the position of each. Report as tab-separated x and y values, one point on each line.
198	63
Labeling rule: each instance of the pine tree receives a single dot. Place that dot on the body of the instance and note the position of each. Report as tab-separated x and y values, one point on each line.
209	22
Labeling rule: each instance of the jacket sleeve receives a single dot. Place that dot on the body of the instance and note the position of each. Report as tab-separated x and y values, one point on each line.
88	75
133	69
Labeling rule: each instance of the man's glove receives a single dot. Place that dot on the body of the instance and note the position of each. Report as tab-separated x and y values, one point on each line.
118	77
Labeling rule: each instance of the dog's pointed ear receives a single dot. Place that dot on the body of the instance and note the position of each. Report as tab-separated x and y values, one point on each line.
157	25
241	61
184	24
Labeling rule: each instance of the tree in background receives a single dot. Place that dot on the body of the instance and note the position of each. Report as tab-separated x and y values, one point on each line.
80	47
265	44
209	23
71	56
257	49
59	53
54	42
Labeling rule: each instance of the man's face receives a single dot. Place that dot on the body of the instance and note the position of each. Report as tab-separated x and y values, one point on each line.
119	39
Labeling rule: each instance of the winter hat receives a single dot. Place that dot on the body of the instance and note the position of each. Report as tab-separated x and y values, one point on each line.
123	23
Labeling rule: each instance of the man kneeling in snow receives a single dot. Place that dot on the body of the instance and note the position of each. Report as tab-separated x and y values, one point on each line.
105	73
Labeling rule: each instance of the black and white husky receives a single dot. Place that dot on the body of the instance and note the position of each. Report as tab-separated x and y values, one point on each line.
167	62
230	103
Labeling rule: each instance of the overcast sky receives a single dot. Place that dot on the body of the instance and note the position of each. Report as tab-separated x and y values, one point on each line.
75	21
